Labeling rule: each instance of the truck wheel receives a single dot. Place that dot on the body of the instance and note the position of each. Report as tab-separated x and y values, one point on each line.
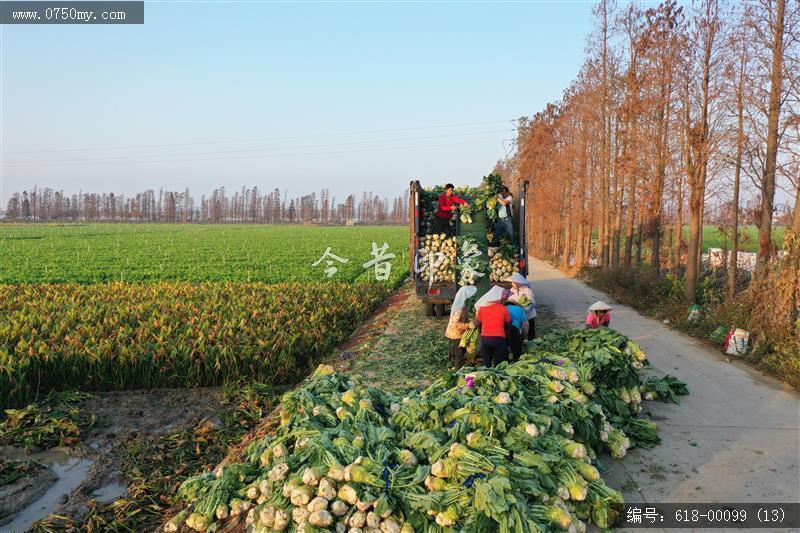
439	309
428	309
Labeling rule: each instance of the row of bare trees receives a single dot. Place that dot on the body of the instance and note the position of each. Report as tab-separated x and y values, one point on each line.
247	205
675	108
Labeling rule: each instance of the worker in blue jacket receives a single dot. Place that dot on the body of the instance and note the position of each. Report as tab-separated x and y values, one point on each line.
518	329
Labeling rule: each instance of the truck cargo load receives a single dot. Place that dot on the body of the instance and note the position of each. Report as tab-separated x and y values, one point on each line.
440	264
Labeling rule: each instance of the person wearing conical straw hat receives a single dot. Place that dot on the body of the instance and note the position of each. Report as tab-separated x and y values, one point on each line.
599	315
458	324
522	295
493	318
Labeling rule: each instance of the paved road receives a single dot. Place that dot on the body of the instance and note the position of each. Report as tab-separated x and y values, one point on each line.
735	438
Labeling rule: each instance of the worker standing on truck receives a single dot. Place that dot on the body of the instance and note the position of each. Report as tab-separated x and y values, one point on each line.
445	211
503	225
458	324
493	318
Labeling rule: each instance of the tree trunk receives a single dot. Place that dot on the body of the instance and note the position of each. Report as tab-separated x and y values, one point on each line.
661	170
794	255
677	245
618	198
700	240
796	223
734	253
604	148
671	238
639	232
698	144
629	224
765	246
567	245
695	237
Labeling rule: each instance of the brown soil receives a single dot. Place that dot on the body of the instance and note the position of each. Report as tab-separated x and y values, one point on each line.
122	416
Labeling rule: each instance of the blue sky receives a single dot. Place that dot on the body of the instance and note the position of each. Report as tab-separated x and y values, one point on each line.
350	96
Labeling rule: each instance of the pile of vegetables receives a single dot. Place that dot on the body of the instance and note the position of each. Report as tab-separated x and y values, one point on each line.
617	364
472	264
510	448
437	258
504	261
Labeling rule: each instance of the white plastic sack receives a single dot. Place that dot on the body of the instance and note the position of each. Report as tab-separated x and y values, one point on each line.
737	342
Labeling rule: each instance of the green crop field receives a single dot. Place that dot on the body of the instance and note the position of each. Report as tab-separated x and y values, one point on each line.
92	253
713	237
120	306
748	238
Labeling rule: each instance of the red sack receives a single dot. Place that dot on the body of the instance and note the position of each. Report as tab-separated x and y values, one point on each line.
728	340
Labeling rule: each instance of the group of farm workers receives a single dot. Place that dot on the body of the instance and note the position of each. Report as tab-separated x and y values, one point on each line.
503	225
505	319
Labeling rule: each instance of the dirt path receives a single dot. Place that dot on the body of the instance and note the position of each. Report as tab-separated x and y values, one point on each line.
735	438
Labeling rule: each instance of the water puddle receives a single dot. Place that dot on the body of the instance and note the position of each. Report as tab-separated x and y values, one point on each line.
109	493
71	471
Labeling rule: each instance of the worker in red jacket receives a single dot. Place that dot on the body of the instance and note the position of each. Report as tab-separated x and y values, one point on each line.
447	201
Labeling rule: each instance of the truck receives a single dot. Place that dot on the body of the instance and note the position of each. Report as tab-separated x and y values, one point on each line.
438	295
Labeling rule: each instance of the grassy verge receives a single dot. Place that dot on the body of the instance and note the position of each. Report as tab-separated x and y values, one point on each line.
405	350
412	350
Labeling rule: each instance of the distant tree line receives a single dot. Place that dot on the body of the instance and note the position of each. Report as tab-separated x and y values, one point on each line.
247	205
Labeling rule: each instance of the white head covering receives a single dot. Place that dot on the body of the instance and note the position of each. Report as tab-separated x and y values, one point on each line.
495	294
600	306
518	278
463	294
